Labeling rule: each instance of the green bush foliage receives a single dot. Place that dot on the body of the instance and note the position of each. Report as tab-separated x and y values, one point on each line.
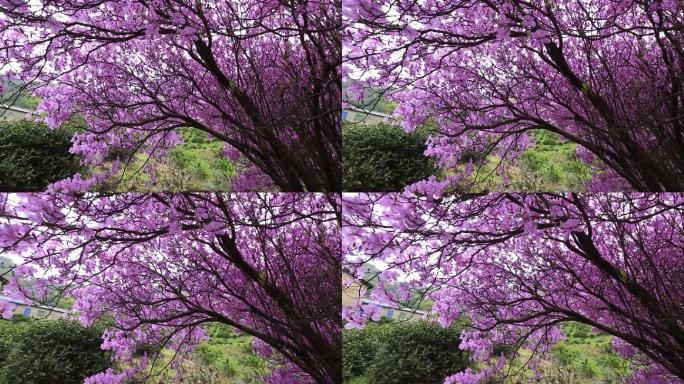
382	157
50	352
32	155
358	349
402	352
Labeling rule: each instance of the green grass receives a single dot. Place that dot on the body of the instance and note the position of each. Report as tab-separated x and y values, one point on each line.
231	354
226	358
550	165
197	164
586	357
590	354
202	159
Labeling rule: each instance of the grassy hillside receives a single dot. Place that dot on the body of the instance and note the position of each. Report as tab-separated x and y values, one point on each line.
590	355
230	355
586	357
549	165
197	164
226	358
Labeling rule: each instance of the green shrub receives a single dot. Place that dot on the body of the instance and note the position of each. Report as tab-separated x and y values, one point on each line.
6	333
50	352
220	331
206	354
589	368
402	352
418	352
231	367
255	361
201	170
222	169
566	355
181	158
358	349
32	155
359	380
382	158
531	162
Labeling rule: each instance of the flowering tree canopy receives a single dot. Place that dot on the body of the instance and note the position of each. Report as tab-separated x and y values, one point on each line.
517	266
161	265
604	74
261	76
